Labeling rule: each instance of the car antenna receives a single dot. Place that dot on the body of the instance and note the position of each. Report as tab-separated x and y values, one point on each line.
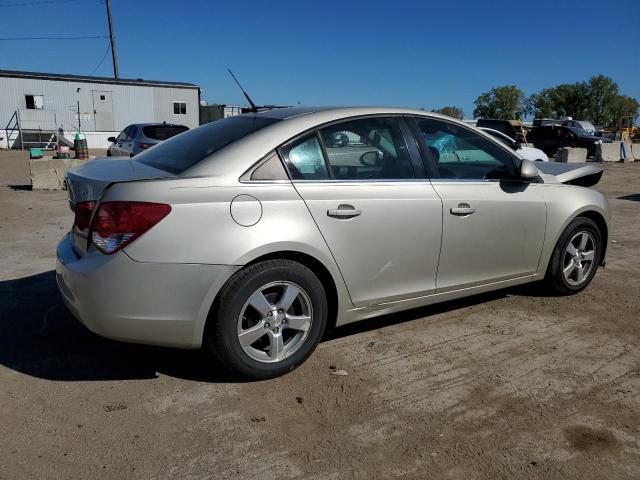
254	109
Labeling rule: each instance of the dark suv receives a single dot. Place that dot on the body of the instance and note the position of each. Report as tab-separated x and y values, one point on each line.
550	138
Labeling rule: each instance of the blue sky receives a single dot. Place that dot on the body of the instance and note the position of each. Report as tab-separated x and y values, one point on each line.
423	54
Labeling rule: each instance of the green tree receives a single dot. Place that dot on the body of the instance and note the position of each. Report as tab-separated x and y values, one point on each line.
565	100
624	106
504	103
455	112
602	94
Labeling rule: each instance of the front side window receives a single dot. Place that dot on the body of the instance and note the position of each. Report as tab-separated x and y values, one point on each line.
179	108
367	148
457	152
123	135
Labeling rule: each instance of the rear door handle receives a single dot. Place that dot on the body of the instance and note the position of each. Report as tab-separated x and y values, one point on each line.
344	211
462	210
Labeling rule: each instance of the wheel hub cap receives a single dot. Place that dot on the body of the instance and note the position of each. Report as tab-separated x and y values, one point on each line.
579	258
275	321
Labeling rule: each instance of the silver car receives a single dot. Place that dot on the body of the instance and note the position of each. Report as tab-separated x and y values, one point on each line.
139	137
253	235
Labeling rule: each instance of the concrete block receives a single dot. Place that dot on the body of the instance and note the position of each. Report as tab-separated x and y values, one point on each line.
48	173
630	156
571	155
608	152
635	151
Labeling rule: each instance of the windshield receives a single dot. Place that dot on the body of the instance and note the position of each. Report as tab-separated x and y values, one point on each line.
185	150
587	126
507	140
578	131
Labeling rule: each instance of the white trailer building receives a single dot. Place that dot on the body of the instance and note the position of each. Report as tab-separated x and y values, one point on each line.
35	106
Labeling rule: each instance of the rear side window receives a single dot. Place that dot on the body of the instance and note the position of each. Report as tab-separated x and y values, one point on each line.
183	151
306	161
368	148
163	132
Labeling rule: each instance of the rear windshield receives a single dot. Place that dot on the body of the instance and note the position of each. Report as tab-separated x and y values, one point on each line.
162	132
184	151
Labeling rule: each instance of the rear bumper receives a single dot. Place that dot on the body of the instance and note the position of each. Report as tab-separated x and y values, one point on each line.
151	303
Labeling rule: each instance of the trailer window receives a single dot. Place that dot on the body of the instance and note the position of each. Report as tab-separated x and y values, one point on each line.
34	102
179	108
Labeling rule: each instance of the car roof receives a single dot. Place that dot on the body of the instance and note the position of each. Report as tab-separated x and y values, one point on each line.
288	113
156	124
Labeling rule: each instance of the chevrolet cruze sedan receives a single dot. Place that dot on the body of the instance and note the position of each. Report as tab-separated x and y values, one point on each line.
254	234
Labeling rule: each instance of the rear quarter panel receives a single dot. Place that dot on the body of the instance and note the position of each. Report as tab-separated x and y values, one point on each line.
200	228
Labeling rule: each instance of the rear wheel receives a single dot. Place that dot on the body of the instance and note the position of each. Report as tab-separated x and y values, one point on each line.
576	257
269	318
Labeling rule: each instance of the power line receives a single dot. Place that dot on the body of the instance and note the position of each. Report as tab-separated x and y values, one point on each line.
85	37
101	61
40	2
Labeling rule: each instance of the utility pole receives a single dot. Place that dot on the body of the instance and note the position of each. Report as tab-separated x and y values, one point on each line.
114	56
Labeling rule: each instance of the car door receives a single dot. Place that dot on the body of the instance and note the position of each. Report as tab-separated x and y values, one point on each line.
546	139
493	224
380	217
128	141
569	138
121	141
116	149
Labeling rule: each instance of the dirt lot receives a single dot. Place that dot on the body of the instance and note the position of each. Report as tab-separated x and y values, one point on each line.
508	385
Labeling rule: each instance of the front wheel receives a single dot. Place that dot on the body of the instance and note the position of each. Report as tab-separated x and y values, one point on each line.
575	258
268	319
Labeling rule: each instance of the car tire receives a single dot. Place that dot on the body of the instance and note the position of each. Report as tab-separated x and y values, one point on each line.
108	153
258	340
573	263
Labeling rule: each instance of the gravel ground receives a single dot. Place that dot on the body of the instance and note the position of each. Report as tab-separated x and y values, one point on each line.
513	384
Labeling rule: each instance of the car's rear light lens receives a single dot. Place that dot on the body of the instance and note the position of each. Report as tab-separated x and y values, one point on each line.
117	224
144	146
83	211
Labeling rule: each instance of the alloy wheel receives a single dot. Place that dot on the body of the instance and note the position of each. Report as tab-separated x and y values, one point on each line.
275	321
578	258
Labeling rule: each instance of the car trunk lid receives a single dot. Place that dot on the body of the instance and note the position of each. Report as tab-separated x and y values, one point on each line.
583	174
88	183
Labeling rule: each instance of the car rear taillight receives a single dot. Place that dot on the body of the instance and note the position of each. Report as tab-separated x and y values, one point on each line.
144	146
83	211
117	224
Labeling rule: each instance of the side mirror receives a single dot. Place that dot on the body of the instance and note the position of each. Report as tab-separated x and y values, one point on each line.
370	158
517	146
111	139
528	170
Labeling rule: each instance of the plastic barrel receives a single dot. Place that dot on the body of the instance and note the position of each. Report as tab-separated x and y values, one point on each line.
80	146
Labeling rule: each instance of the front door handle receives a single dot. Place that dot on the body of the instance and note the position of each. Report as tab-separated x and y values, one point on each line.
344	211
462	210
